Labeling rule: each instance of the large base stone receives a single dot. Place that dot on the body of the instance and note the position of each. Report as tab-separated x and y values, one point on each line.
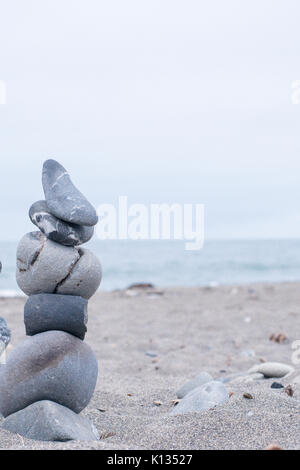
49	421
52	366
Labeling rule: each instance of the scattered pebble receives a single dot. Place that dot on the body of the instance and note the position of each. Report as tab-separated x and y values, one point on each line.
248	396
276	385
202	398
151	354
278	338
289	391
272	369
107	434
141	285
157	403
201	379
248	353
175	402
273	447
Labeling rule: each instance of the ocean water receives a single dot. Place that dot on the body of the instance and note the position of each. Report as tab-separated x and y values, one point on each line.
166	263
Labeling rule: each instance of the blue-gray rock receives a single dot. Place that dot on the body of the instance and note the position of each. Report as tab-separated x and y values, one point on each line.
56	229
49	421
5	333
277	385
44	266
202	398
53	366
63	198
45	312
201	379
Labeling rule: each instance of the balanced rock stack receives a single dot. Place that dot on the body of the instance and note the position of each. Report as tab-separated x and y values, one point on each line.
50	378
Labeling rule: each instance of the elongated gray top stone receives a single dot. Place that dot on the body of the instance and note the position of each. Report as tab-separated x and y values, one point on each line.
53	366
63	199
56	229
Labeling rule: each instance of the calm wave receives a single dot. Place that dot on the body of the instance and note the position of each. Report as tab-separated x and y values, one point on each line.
166	263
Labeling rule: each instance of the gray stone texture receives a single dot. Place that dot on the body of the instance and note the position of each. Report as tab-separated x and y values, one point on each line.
45	312
53	366
63	198
49	421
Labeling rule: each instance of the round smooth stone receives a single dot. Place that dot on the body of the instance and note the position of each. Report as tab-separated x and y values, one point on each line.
272	369
63	198
49	421
201	379
45	312
56	229
53	366
44	266
202	398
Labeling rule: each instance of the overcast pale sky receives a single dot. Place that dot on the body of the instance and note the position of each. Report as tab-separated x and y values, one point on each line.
159	100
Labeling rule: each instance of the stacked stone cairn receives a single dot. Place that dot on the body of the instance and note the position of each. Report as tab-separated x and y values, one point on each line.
50	377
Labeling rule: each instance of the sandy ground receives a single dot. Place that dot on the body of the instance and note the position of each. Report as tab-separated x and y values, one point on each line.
150	342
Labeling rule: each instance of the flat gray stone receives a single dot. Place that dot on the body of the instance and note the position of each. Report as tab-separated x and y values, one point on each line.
202	398
49	421
272	369
45	312
63	198
53	366
56	229
201	379
44	266
5	333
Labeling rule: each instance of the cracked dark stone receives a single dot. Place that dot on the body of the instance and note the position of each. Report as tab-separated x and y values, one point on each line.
44	266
